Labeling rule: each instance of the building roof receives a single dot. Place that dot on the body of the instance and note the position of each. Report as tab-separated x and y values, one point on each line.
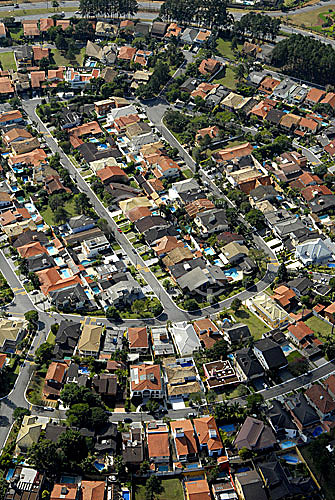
111	171
145	377
302	411
283	295
251	485
158	440
320	398
233	152
315	95
166	244
127	53
64	491
197	489
177	255
186	443
138	338
16	133
93	490
279	417
185	338
272	352
300	330
254	435
56	371
90	338
208	66
207	433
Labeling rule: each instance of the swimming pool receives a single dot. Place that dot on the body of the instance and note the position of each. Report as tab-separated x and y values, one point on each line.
99	466
93	139
291	459
286	444
243	469
10	474
318	431
163	468
226	321
227	428
30	207
59	261
40	226
192	466
287	348
95	289
68	479
103	146
51	250
331	265
209	251
126	494
14	188
86	262
84	370
65	273
231	272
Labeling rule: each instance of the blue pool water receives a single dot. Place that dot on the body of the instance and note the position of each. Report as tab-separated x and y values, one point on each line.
5	154
286	444
30	207
68	479
14	188
17	170
243	469
84	370
86	262
58	260
126	494
286	348
331	265
230	356
10	474
99	466
323	217
40	226
65	273
163	468
121	139
231	272
103	146
226	321
92	64
95	289
227	428
34	216
291	459
192	466
137	158
317	431
51	250
172	209
209	251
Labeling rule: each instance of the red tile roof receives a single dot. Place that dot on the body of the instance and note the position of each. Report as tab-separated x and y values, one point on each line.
138	337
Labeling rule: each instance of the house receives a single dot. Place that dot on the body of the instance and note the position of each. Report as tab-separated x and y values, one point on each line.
249	486
80	223
269	311
247	365
235	252
255	436
219	374
138	340
93	247
299	333
280	419
234	152
151	221
274	116
93	490
177	255
16	135
158	29
66	339
105	384
307	125
197	206
315	251
112	174
329	312
268	84
181	379
212	221
207	332
54	379
185	339
284	296
321	400
132	445
12	331
165	168
208	436
166	244
289	122
46	23
301	286
329	99
64	491
30	29
262	108
197	489
146	381
89	340
237	333
303	414
10	117
29	433
69	295
184	440
126	53
209	66
269	354
40	53
158	442
5	200
314	96
161	342
23	55
87	129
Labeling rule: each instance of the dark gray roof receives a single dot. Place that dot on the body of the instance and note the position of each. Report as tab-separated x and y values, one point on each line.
73	295
279	417
180	269
251	485
66	339
90	152
151	222
321	203
304	413
263	192
29	237
274	116
158	28
237	333
255	435
24	52
276	480
248	363
39	262
272	353
142	28
213	218
302	284
53	431
80	221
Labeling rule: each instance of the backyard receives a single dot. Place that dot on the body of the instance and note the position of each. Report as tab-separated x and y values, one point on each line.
256	326
225	50
7	60
319	327
172	490
48	214
228	80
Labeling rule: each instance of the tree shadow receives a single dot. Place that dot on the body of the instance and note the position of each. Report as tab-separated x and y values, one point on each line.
241	313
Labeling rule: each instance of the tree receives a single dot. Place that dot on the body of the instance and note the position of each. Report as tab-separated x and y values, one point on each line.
60	215
112	313
153	487
254	400
118	464
31	316
43	456
236	304
20	412
244	453
78	415
73	446
282	273
43	354
98	417
81	202
255	218
145	466
152	406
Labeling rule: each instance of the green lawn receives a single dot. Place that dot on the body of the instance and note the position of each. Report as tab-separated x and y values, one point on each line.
225	50
48	216
293	355
51	337
187	173
319	327
228	80
29	12
172	490
7	60
61	60
256	326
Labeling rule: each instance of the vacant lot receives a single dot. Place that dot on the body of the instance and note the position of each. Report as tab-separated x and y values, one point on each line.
172	491
256	326
228	80
319	327
312	18
225	50
7	60
60	59
48	214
